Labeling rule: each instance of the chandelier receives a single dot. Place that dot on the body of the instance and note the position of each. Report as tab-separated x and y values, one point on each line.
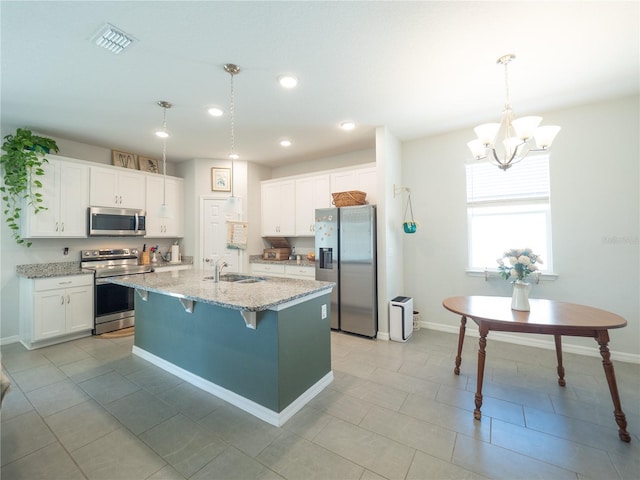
517	135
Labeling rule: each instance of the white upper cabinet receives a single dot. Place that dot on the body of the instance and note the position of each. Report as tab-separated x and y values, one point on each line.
115	187
363	179
65	194
311	193
156	226
278	209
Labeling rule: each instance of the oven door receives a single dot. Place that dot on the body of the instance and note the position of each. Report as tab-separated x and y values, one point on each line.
114	308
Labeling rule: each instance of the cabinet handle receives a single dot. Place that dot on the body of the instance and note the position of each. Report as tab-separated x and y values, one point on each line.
65	283
116	202
120	199
56	226
63	226
61	299
68	299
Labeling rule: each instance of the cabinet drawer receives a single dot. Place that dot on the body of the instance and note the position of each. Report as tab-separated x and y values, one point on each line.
296	271
53	283
267	268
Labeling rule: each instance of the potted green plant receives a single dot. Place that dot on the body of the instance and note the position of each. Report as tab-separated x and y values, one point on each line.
24	155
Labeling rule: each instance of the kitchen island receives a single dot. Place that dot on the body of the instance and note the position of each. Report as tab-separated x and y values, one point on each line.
263	346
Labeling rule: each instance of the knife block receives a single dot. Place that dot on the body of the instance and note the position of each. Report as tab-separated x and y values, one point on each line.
144	258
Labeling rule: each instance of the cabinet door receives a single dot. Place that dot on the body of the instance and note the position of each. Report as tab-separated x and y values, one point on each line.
154	224
103	188
311	193
165	227
79	308
278	209
49	314
45	223
74	199
366	181
131	190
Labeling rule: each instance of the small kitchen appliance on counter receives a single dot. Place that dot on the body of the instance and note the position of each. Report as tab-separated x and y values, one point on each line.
280	249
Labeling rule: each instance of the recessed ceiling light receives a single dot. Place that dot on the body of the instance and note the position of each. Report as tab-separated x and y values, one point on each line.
288	81
347	125
215	111
113	39
285	143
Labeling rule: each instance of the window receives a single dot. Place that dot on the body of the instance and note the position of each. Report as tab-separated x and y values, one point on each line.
508	209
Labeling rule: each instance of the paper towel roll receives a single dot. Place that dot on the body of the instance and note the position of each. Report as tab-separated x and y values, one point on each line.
175	253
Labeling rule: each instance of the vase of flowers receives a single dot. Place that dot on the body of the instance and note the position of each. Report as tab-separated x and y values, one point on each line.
517	265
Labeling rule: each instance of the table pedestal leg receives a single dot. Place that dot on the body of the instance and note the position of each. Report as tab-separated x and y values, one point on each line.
603	339
463	327
561	381
481	356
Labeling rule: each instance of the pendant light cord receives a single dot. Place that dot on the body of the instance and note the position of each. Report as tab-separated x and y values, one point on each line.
232	110
164	157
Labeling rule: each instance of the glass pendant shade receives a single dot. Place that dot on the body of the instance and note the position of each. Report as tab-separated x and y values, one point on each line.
510	146
525	127
545	135
164	211
487	132
233	205
478	150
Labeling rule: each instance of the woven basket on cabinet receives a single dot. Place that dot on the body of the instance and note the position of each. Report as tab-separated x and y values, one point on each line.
349	199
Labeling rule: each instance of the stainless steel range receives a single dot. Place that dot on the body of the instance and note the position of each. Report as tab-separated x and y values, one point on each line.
113	309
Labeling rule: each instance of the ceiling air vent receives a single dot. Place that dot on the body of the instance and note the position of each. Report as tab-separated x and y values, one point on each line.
113	39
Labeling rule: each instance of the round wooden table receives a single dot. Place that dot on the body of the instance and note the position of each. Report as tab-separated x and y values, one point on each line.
546	317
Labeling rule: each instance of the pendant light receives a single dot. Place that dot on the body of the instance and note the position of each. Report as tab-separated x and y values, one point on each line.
233	204
164	210
517	135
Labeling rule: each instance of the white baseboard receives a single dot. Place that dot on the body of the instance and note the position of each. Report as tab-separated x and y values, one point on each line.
530	341
9	340
249	406
383	336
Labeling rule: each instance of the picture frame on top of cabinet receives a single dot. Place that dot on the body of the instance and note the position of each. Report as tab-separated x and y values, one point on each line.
147	164
221	179
124	159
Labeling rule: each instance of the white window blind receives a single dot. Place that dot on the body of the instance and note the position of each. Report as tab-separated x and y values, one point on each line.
528	179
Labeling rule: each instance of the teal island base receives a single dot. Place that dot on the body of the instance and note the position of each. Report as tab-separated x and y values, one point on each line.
271	371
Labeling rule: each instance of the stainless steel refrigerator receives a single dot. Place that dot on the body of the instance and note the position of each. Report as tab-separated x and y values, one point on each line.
345	244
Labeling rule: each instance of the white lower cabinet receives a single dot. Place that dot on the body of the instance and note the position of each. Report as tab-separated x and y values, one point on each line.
54	310
271	269
301	272
288	271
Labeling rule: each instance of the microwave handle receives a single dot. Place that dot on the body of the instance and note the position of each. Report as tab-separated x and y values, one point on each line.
137	224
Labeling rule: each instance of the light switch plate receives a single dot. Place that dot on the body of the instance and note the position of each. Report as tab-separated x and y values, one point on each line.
324	311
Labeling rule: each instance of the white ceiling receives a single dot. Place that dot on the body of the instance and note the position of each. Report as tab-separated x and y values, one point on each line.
418	68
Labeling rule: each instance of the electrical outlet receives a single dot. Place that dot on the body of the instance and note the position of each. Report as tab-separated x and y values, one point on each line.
65	251
324	311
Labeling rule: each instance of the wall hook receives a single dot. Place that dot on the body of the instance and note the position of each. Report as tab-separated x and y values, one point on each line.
397	190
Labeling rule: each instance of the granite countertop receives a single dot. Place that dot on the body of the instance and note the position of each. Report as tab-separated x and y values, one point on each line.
252	297
65	269
46	270
303	261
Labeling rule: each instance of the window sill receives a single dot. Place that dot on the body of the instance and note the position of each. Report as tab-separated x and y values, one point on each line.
489	274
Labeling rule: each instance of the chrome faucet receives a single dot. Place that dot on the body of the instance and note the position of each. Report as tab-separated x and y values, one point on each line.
217	268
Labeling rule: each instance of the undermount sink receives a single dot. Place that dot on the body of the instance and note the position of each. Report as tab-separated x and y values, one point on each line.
238	278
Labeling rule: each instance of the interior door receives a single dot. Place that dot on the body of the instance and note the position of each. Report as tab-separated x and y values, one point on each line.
214	236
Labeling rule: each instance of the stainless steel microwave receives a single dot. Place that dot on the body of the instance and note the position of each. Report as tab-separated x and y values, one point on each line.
116	222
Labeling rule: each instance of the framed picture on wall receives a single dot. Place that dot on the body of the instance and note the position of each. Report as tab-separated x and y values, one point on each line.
147	164
124	159
221	179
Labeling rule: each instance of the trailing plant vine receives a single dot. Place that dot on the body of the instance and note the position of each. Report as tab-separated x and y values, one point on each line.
22	165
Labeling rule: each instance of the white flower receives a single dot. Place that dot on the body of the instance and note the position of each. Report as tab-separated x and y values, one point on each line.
513	260
524	260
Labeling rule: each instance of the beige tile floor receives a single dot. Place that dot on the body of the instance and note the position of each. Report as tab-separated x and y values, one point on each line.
90	409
